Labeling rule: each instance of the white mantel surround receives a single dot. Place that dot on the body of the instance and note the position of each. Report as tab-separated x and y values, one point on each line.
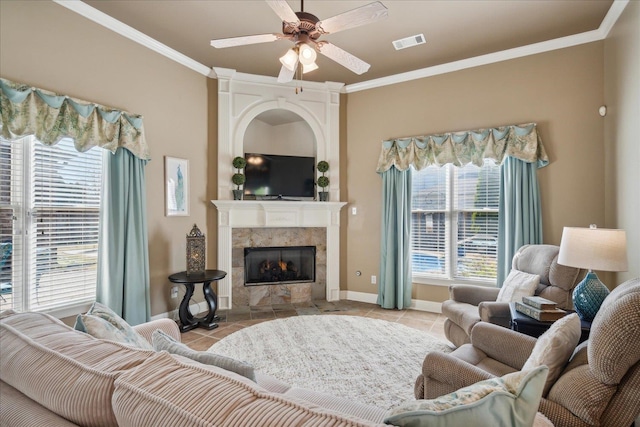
241	98
275	214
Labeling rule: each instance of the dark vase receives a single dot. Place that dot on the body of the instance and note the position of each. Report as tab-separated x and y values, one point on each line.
237	194
323	195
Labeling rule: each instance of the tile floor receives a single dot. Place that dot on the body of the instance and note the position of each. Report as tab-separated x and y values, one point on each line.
238	318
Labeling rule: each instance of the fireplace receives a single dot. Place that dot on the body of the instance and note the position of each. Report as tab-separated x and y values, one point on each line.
279	265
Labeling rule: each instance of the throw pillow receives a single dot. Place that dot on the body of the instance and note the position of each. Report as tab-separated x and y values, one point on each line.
102	322
509	400
518	284
162	341
554	348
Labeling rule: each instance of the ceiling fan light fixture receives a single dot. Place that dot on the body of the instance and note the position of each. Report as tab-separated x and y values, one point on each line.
307	54
289	59
308	68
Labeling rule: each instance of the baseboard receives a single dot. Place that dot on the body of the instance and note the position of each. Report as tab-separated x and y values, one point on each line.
173	314
359	296
420	305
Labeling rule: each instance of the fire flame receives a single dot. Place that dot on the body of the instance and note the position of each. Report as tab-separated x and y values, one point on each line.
283	265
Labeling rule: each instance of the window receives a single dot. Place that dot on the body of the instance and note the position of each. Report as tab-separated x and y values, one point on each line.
454	222
49	211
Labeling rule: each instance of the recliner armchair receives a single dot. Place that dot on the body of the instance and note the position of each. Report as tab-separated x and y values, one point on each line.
600	384
469	304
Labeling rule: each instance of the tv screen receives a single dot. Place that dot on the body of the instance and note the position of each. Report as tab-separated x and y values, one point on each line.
270	175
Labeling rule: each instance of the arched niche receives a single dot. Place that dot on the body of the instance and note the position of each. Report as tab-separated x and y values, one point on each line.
280	131
314	147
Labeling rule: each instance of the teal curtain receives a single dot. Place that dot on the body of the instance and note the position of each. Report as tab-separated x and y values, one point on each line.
123	255
394	285
520	212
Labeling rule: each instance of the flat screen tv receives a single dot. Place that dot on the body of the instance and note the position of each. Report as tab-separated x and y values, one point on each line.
274	176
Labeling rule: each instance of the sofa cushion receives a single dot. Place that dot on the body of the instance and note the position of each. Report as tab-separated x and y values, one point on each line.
614	349
509	400
588	405
102	322
66	371
16	409
554	348
162	341
518	284
170	390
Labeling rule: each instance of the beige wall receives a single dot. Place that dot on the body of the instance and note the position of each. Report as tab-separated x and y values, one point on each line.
45	45
560	90
622	132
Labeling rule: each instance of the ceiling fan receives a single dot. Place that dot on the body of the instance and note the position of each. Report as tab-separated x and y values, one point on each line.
304	29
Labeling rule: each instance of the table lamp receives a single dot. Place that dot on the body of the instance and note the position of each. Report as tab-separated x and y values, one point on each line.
593	249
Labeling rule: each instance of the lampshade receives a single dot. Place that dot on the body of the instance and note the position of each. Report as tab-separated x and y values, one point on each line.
307	54
290	59
594	248
308	68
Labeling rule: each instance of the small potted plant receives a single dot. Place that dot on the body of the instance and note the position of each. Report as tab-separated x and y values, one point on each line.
323	181
238	178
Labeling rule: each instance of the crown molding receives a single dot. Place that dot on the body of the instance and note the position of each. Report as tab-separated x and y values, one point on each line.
230	74
612	16
601	33
131	33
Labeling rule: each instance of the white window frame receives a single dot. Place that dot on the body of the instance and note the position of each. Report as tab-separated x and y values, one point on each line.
451	249
23	275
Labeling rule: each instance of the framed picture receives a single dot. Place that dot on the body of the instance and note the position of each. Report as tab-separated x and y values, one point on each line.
176	182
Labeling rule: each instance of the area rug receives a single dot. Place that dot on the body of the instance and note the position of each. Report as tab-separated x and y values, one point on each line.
368	360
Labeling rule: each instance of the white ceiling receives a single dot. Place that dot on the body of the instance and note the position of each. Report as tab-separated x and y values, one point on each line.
454	29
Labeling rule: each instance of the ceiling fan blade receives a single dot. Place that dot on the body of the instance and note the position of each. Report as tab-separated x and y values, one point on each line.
354	18
286	75
244	40
343	58
284	11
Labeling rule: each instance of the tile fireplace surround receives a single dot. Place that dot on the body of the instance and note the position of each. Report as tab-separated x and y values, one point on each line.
242	223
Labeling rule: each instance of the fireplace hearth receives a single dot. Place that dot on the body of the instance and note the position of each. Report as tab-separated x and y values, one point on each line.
279	265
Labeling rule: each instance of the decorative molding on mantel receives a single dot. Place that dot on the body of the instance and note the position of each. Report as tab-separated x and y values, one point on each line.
277	214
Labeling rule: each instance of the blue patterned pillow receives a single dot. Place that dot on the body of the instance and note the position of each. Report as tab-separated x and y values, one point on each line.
102	322
511	400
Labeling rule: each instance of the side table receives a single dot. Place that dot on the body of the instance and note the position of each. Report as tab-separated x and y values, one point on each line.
529	326
187	319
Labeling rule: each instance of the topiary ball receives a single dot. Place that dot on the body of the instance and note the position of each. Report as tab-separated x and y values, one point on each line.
238	178
323	181
239	162
323	166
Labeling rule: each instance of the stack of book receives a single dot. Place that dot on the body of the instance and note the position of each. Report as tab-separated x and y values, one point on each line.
540	309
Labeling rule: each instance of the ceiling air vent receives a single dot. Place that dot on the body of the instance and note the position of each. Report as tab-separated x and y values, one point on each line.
409	42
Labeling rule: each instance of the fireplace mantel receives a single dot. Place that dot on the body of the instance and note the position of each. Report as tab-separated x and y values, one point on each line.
274	214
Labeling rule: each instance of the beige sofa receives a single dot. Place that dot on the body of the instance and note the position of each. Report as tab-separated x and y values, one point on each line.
598	386
52	375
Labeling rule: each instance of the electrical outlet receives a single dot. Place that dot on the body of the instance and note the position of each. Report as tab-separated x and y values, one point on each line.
174	292
373	280
354	211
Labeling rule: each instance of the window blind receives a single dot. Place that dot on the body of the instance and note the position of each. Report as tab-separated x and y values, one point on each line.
430	217
60	215
454	229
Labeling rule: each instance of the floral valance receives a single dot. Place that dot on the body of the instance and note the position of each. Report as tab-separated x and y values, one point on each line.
460	148
50	117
